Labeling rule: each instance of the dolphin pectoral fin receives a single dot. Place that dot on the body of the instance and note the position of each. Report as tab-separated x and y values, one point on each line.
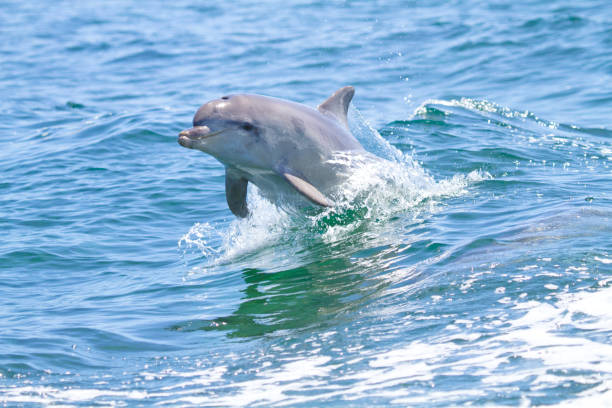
307	190
235	194
337	105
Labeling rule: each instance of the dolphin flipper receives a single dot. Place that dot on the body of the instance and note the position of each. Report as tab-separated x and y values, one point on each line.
307	190
235	193
337	105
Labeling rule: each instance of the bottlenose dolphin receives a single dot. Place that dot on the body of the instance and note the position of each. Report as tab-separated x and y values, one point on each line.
286	149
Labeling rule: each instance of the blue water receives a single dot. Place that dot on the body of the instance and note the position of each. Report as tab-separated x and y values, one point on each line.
474	269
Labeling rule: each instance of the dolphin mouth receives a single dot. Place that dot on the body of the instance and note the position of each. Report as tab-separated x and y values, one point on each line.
188	137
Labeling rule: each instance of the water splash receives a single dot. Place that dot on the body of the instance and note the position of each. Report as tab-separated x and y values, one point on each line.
483	106
219	243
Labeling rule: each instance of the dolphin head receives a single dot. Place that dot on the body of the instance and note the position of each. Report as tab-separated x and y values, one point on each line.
226	129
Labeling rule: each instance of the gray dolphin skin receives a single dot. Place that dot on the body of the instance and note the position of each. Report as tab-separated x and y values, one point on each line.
286	149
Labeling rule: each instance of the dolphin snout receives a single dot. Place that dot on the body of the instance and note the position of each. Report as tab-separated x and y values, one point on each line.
196	132
187	137
184	140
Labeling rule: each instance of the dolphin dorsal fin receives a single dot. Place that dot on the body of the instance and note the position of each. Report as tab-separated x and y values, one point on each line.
337	105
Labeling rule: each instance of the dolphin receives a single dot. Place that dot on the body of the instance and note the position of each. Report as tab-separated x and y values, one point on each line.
285	148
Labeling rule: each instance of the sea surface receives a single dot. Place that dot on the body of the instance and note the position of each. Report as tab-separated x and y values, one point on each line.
473	268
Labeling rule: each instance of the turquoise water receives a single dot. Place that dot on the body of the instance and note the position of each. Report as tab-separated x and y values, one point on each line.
475	269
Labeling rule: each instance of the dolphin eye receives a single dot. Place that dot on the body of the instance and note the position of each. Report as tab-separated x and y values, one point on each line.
225	98
247	127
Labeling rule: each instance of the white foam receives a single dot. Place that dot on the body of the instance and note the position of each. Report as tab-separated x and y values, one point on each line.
65	396
556	355
271	386
553	343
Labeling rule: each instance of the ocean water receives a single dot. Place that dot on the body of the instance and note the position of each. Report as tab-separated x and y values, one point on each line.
474	269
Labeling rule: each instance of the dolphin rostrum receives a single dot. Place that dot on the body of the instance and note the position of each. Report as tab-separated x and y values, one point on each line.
282	147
